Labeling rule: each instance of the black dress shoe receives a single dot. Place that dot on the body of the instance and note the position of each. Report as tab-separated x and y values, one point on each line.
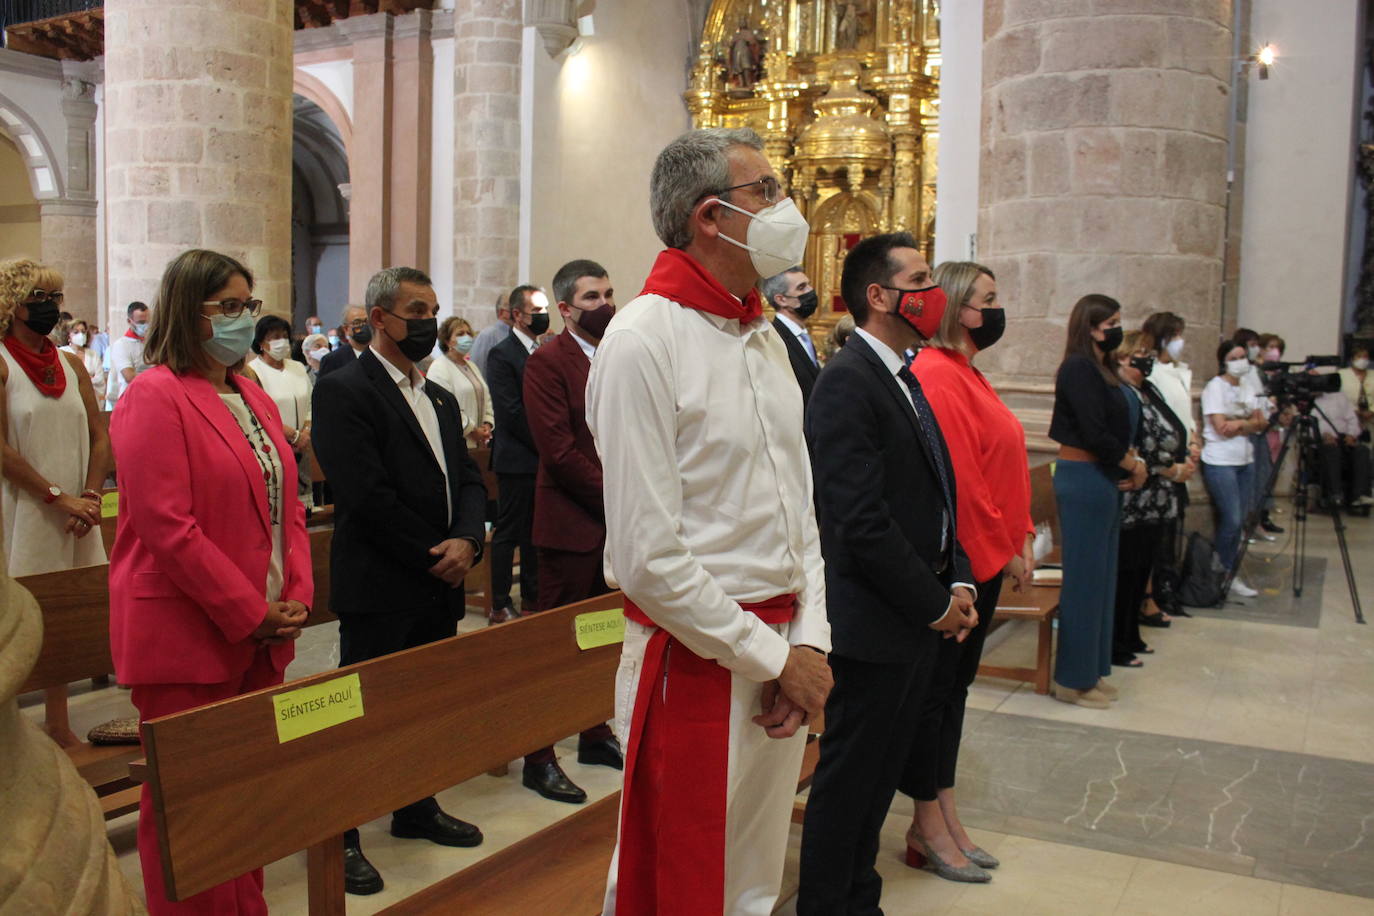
501	615
1268	525
604	753
549	780
438	828
359	875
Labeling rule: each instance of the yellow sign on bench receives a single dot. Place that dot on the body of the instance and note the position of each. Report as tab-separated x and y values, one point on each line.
599	628
310	709
109	504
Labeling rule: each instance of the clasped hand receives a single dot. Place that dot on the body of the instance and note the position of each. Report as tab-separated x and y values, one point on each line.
283	622
455	559
960	616
83	514
798	695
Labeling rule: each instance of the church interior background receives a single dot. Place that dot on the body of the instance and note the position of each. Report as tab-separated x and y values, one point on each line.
1131	147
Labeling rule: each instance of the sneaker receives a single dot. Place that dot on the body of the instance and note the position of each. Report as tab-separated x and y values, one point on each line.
1240	590
1269	526
1362	501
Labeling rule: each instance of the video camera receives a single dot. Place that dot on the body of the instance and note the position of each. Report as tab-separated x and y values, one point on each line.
1296	381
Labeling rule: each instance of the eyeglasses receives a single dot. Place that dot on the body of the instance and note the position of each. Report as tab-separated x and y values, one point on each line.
233	308
55	295
771	190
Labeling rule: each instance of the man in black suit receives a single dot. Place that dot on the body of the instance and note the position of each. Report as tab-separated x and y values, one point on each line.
894	573
409	507
794	300
357	334
514	455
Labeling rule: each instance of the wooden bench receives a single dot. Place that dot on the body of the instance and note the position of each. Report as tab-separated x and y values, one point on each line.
230	797
1040	603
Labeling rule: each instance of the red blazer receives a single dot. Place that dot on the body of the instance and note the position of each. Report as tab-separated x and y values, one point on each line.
568	511
188	572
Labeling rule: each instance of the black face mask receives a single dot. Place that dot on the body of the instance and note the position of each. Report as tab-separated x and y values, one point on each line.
1112	340
994	325
539	323
43	316
806	303
361	336
421	335
1143	364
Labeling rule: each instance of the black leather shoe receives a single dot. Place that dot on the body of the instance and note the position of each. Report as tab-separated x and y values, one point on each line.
438	828
549	780
1268	525
359	875
501	615
605	753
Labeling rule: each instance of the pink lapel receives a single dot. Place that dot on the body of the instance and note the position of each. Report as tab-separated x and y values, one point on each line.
206	400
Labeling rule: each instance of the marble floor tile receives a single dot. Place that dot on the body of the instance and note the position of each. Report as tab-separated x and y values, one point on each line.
1297	900
1164	889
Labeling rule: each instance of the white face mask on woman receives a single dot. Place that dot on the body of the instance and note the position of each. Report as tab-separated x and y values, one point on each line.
1360	362
79	339
1175	348
279	349
1237	368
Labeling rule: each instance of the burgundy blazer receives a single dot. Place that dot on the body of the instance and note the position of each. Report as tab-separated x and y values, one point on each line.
188	572
568	511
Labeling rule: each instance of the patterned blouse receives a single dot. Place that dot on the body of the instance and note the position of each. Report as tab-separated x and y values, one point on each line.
1161	440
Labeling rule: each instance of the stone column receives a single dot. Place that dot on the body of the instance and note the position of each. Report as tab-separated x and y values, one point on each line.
1103	167
197	141
486	156
69	223
369	166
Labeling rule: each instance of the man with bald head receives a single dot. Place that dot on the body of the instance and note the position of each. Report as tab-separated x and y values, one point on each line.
357	335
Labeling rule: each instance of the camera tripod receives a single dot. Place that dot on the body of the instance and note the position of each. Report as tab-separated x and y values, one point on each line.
1304	428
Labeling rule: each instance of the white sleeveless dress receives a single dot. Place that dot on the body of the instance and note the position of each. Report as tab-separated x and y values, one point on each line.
52	435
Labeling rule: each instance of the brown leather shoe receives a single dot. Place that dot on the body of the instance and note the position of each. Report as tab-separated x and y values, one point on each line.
501	615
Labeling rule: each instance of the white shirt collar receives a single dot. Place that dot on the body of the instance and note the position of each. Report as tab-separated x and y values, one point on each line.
795	328
525	339
586	347
890	359
415	380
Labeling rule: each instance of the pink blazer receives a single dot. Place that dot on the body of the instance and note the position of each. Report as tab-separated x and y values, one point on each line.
188	572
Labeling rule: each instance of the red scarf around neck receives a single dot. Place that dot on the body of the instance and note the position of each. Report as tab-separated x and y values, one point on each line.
41	367
680	277
130	333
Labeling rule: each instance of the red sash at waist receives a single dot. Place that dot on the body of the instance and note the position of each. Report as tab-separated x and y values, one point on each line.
780	609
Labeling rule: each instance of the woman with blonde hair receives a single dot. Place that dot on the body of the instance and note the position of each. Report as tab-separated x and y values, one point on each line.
75	338
460	375
210	574
987	447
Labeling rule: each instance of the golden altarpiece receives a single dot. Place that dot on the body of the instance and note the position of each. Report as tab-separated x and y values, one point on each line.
845	94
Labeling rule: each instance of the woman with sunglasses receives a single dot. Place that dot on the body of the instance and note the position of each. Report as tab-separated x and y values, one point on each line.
210	575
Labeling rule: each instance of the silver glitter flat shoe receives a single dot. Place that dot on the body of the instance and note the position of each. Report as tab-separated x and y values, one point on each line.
922	856
981	857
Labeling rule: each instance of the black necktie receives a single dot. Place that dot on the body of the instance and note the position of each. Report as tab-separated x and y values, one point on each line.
925	418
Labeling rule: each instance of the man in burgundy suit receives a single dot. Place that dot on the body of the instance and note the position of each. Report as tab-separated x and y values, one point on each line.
569	520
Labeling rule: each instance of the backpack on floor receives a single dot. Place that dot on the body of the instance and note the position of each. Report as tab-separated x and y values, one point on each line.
1203	575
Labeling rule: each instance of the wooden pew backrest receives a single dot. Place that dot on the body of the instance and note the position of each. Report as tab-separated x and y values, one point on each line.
450	710
76	625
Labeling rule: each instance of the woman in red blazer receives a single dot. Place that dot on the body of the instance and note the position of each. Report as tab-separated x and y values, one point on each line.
987	447
210	573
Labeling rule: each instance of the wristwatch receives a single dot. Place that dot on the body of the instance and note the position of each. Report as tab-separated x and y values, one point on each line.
53	494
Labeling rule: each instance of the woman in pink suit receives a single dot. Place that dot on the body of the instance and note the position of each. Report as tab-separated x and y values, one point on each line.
210	574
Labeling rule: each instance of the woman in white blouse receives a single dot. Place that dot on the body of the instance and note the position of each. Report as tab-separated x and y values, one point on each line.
460	375
78	339
288	385
1230	418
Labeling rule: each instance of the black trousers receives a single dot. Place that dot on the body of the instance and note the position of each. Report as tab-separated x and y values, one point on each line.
934	753
566	577
870	721
514	526
1140	546
1345	471
364	636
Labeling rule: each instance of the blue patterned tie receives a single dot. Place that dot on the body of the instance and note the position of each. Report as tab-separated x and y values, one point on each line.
925	418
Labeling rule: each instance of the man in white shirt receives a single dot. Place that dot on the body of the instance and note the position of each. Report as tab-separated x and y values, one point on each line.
794	299
1345	460
491	335
126	353
711	534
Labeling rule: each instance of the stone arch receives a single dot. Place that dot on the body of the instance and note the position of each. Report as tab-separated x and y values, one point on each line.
45	177
320	182
311	87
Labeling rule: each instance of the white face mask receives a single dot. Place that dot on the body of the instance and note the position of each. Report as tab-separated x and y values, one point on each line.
1252	351
79	339
279	349
1237	368
1360	362
1175	348
319	354
777	236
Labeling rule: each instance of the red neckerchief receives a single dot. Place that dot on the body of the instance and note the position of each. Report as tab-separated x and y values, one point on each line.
130	333
679	277
40	367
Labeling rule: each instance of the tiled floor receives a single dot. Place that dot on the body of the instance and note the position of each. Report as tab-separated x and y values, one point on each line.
1293	702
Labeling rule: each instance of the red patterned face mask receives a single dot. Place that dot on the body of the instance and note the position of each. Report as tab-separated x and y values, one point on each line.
922	308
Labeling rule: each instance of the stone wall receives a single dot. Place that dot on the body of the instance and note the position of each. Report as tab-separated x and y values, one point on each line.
1103	165
198	141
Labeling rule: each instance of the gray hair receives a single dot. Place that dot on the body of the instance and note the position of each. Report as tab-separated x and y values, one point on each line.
777	284
689	168
382	288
